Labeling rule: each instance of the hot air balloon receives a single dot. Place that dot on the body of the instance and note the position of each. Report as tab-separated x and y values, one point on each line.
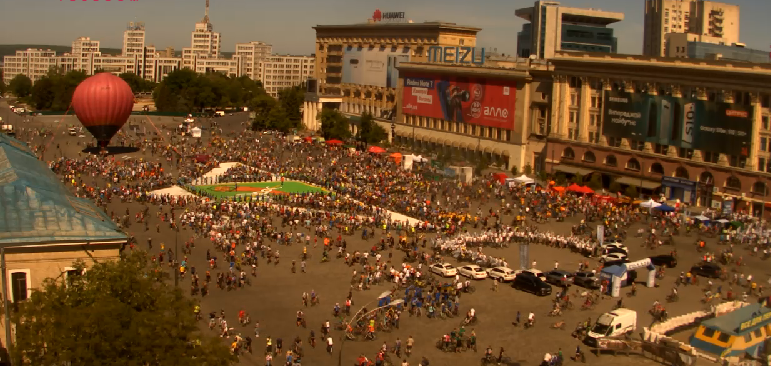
103	103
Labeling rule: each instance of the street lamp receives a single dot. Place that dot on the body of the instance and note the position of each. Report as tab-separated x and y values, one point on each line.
343	337
393	133
176	255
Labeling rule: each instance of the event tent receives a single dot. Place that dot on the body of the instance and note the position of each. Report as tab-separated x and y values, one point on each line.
501	177
650	204
524	179
665	208
334	142
376	150
586	190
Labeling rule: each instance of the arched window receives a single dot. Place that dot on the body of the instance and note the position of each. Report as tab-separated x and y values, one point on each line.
681	172
706	178
568	153
610	160
760	188
633	164
656	168
589	157
733	183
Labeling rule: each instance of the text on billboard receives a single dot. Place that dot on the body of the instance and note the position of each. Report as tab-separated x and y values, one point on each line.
455	55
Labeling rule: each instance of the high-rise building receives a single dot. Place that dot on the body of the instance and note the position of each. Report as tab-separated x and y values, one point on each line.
552	27
134	47
717	22
281	72
205	43
252	54
33	63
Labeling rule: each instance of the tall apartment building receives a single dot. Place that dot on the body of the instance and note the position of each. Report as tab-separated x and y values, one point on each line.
281	72
717	22
252	54
552	28
85	51
205	43
134	47
33	63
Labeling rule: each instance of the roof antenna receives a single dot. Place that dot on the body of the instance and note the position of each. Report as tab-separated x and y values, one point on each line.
206	14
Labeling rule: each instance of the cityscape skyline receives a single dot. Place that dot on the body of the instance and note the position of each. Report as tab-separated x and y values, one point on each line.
291	33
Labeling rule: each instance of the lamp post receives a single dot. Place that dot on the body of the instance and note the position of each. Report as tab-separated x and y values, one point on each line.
176	255
343	337
393	133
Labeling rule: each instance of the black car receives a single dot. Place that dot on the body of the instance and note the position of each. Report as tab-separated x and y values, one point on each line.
531	284
587	279
710	270
665	260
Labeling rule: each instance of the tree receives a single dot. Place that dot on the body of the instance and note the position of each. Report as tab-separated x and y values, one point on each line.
292	100
137	84
2	83
515	170
20	86
614	186
369	131
631	192
120	312
185	91
560	178
577	179
481	165
543	176
334	125
595	182
54	90
528	169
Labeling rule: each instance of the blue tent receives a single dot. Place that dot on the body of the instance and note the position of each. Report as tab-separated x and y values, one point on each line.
665	208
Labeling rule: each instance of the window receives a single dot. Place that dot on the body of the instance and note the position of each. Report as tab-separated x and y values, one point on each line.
633	164
724	337
764	119
573	99
19	285
759	188
758	333
595	101
573	117
761	164
656	168
681	172
593	119
708	332
763	143
748	338
589	157
71	274
568	153
610	160
733	183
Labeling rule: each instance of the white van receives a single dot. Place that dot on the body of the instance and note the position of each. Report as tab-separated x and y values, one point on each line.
617	322
219	114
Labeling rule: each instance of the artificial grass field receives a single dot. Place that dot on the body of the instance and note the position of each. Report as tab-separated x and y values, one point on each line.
248	188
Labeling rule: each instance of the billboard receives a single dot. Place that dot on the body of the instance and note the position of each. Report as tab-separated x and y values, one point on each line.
688	123
483	102
373	66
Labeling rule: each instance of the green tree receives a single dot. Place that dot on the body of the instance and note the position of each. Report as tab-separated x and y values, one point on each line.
369	131
528	169
120	312
54	90
614	186
186	91
560	178
291	100
631	191
137	84
595	182
481	165
515	171
20	86
334	125
262	105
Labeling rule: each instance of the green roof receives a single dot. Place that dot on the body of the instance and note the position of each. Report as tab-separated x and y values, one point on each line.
731	323
36	208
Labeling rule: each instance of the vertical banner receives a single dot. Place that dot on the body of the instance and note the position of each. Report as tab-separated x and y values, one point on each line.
601	234
524	255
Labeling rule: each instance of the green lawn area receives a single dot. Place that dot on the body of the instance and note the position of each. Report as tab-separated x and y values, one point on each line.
260	188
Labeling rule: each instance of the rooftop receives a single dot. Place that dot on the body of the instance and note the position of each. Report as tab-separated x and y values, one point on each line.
575	15
37	209
385	25
732	323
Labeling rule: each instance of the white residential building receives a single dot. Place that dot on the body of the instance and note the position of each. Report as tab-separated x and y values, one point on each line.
281	72
205	43
33	63
252	54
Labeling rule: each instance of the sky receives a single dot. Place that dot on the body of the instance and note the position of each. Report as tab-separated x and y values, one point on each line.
286	24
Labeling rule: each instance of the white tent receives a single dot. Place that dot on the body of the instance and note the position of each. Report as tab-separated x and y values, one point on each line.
416	158
650	204
524	179
195	132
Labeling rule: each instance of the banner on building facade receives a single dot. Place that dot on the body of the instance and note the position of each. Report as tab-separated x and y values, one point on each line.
687	123
373	66
483	102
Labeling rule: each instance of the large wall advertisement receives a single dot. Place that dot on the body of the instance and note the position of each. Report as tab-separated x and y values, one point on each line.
373	66
482	102
688	123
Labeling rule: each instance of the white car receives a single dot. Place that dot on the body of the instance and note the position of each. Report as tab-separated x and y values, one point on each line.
473	271
615	247
503	274
443	269
532	272
613	257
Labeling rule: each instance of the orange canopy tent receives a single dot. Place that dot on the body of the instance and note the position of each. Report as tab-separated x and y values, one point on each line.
397	157
376	150
334	142
586	190
574	188
501	177
558	189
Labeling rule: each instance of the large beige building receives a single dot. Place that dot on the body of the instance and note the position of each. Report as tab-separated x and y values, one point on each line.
717	22
279	72
252	54
364	52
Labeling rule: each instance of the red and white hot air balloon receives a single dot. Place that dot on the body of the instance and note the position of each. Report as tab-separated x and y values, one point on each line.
103	103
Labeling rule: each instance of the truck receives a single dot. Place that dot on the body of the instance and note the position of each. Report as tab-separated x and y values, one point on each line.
617	322
7	128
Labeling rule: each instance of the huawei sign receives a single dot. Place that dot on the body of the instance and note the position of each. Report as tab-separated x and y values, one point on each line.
377	16
391	16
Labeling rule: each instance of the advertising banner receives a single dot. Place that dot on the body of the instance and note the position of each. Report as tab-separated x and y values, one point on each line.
483	102
373	66
687	123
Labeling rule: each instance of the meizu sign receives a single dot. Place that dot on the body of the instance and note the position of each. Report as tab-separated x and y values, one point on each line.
456	55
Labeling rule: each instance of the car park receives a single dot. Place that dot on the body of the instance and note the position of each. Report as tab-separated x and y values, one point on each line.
531	284
559	277
612	257
665	260
443	269
472	271
502	274
707	269
587	279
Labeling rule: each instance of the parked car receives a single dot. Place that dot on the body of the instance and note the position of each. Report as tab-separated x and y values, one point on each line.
586	279
531	272
472	271
531	284
615	248
665	260
503	274
559	277
443	269
612	257
710	270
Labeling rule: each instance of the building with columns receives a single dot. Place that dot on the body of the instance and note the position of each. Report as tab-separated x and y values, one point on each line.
726	104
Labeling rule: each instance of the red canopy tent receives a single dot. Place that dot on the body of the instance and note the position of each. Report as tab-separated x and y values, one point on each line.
376	150
501	177
334	142
574	188
586	190
307	139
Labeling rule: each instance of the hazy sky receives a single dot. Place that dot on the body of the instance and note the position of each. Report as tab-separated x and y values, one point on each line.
286	24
